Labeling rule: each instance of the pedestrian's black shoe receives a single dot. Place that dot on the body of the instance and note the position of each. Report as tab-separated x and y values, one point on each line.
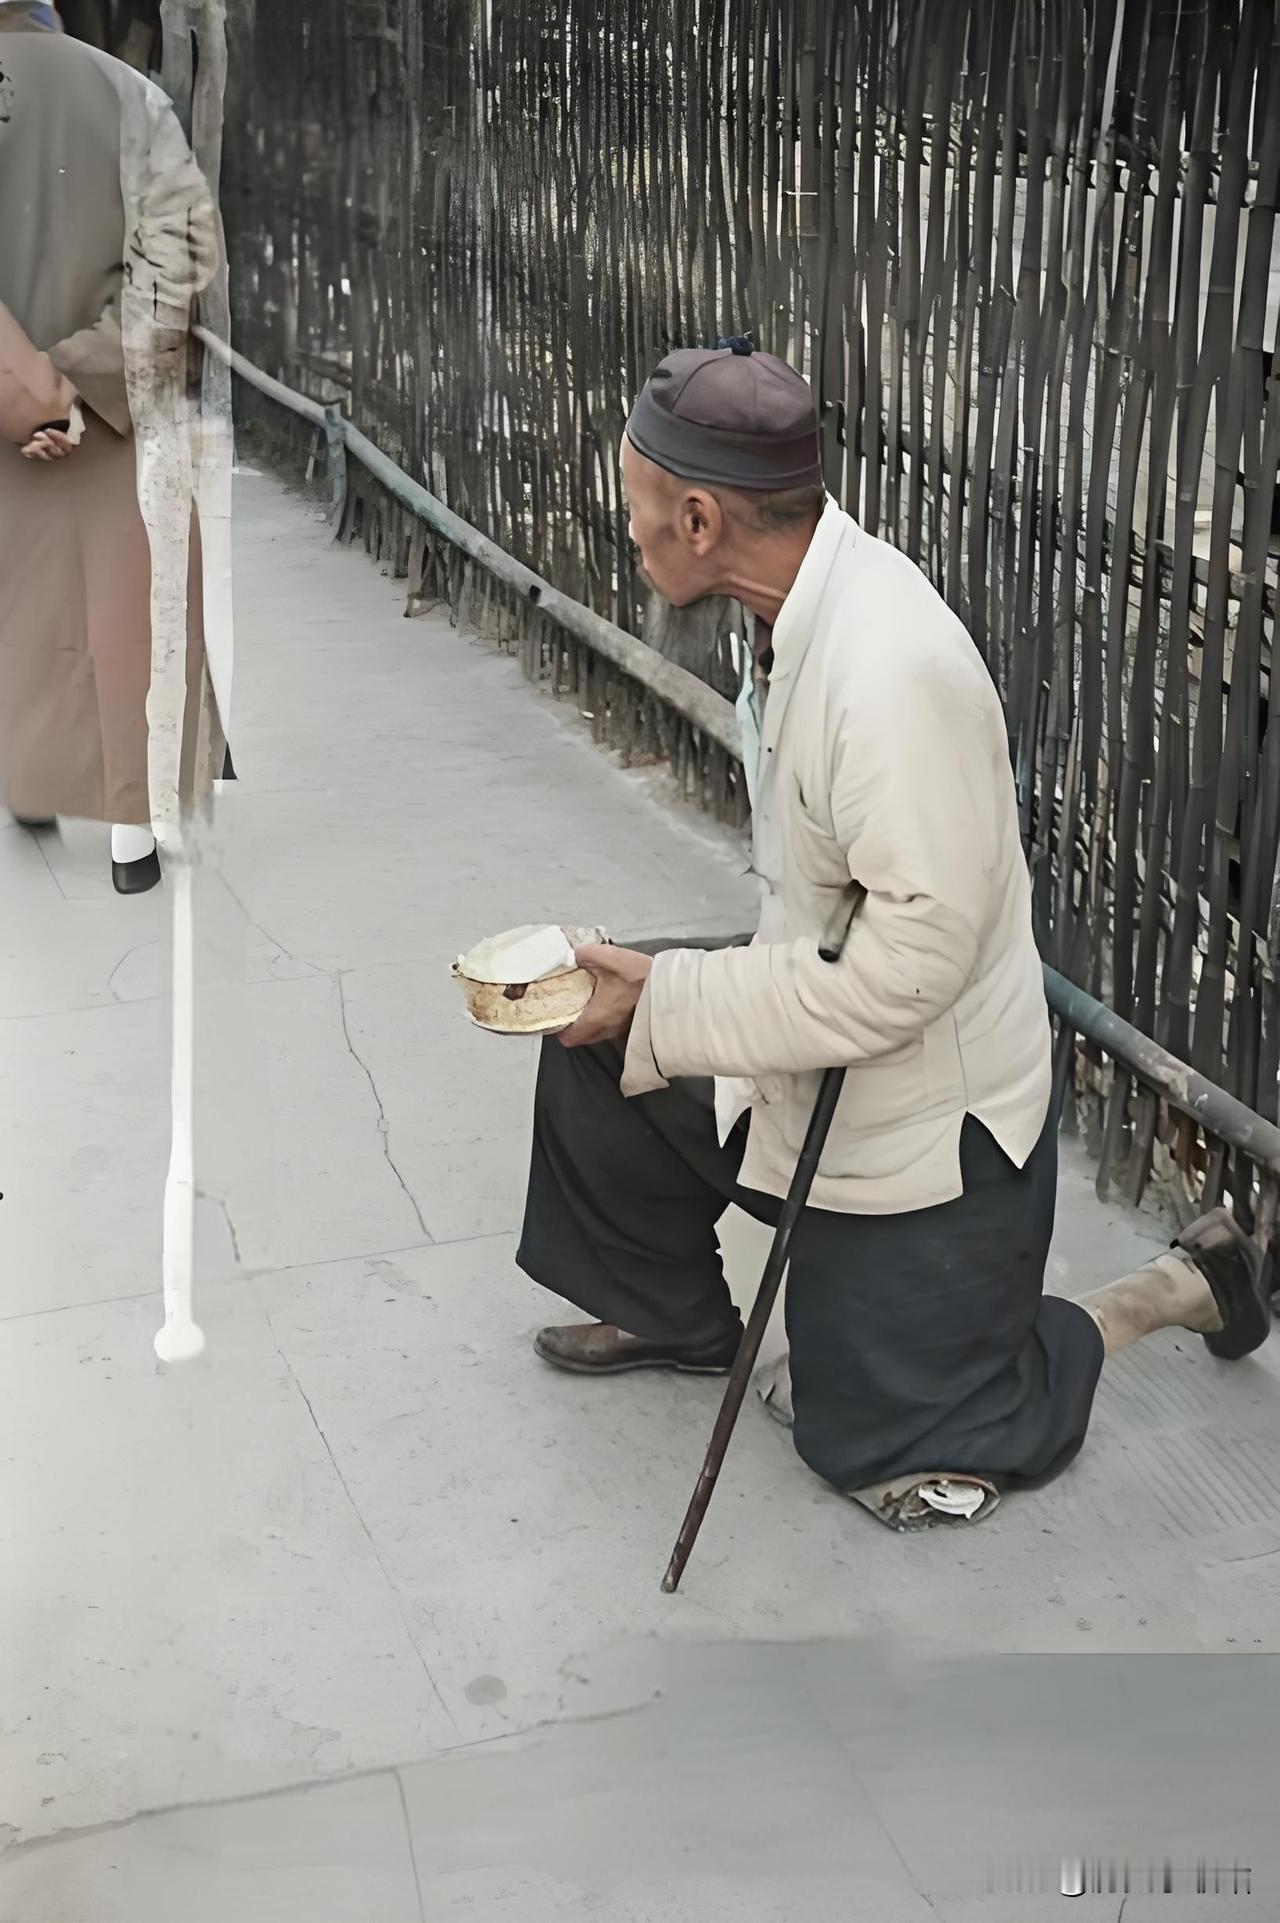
36	827
1239	1277
136	877
597	1348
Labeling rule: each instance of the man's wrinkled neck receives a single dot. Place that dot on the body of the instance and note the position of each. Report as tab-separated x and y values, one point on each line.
766	577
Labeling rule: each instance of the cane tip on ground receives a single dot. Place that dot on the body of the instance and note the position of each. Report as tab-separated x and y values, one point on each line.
179	1342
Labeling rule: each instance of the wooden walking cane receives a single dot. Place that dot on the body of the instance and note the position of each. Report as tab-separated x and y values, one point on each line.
831	948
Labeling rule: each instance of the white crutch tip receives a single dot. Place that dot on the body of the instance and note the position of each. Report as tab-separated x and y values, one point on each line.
179	1342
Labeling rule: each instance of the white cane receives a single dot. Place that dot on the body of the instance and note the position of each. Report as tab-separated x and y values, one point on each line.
165	489
181	1339
173	252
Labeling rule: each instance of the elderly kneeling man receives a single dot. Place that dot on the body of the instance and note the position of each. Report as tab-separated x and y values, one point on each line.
921	1340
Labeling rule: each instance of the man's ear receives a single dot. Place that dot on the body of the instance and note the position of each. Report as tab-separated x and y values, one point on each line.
701	520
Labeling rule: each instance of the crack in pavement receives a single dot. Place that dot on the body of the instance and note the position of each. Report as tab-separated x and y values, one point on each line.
383	1125
299	961
128	956
219	1202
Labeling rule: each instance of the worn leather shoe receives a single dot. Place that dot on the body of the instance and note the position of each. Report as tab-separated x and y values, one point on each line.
597	1348
40	827
1240	1279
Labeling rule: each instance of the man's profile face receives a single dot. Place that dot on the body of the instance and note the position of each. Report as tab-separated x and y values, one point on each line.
669	551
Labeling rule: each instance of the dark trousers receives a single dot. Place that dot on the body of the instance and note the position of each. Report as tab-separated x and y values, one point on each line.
918	1342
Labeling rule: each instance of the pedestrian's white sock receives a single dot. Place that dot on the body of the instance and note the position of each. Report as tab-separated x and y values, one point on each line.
131	844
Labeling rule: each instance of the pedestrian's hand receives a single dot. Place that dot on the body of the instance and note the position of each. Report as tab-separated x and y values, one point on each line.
620	978
49	444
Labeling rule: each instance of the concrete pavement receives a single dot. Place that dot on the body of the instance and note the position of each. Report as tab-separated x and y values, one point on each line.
285	1593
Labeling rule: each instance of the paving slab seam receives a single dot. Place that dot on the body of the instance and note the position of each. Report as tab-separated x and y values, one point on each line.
413	1851
266	1274
74	1833
78	1308
52	871
81	1832
375	1255
356	1511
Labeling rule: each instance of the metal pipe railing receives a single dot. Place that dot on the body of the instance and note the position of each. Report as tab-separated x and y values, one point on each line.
706	710
1218	1112
1191	1094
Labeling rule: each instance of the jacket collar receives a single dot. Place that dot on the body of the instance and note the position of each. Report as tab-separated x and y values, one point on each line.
793	629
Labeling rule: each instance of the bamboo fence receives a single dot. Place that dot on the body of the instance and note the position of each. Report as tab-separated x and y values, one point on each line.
129	29
1026	254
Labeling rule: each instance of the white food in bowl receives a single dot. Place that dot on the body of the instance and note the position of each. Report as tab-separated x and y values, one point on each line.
519	955
526	980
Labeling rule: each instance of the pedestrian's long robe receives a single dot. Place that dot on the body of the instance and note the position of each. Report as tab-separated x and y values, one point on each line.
102	211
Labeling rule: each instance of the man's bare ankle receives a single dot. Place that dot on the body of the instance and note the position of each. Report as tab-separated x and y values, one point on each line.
1198	1312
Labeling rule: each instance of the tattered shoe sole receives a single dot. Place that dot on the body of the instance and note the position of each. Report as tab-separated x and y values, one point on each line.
908	1503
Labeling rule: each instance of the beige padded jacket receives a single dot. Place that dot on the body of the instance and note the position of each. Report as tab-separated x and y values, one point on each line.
884	759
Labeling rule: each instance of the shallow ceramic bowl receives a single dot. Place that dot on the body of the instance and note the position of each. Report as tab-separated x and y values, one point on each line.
528	1008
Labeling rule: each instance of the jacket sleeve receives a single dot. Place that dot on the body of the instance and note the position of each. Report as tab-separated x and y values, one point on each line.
915	801
93	361
171	254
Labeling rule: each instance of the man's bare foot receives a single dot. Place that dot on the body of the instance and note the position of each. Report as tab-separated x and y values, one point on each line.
1191	1300
1170	1293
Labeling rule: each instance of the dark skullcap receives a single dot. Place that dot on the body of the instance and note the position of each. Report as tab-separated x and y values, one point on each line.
729	415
